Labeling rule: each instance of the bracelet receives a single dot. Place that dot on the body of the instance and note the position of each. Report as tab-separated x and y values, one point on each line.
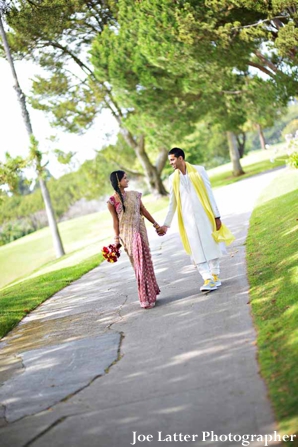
156	225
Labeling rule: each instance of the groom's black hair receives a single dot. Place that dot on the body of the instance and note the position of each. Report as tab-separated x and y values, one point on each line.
177	152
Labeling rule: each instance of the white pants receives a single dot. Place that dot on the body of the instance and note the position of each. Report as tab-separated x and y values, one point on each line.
206	269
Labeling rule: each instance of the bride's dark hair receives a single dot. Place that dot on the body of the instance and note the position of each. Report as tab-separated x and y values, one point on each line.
115	179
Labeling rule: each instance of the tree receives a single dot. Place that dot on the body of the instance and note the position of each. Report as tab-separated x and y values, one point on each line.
35	154
207	47
162	102
265	101
159	66
156	87
234	33
273	27
63	30
10	172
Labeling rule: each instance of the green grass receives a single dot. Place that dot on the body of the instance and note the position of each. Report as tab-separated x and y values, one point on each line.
253	163
273	277
18	300
21	257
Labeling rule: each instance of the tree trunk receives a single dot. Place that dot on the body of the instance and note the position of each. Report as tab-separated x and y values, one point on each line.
20	94
234	155
152	175
51	218
161	160
241	144
261	137
151	172
22	100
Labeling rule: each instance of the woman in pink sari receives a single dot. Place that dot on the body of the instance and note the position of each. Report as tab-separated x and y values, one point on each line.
128	214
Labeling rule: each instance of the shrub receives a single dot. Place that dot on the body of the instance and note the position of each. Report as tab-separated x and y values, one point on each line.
293	160
11	231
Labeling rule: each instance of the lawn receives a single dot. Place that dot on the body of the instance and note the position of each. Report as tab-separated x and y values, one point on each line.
253	163
23	256
18	300
273	276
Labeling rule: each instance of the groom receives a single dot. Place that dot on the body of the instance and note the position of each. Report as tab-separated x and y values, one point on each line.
200	226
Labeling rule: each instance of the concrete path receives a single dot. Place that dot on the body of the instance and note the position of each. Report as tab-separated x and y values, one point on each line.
89	367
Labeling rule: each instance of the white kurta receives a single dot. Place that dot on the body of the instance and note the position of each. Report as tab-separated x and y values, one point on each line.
197	225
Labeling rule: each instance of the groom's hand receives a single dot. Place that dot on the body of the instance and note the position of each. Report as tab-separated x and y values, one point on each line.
162	231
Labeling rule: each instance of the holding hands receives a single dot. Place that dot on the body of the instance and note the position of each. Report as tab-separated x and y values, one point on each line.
161	231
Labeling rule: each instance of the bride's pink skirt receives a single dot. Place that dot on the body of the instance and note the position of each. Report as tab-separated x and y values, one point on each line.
147	286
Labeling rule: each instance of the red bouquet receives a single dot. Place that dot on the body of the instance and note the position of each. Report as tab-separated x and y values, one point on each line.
112	252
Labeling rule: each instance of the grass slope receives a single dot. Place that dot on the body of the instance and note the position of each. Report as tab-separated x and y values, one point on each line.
252	164
23	256
22	298
273	277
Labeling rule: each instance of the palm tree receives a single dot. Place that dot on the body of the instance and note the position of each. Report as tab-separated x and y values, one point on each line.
35	154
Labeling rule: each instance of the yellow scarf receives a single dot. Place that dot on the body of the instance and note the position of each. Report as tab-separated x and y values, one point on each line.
221	235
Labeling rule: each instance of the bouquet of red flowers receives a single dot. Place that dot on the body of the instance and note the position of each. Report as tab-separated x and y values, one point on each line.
112	252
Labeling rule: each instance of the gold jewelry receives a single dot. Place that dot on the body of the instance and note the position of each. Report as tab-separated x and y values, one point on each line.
118	180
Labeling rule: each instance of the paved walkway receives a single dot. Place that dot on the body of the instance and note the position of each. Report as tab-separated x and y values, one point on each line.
89	367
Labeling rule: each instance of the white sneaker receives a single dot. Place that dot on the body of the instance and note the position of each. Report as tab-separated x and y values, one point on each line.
216	280
208	285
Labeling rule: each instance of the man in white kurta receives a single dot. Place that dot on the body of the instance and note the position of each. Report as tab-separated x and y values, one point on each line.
205	252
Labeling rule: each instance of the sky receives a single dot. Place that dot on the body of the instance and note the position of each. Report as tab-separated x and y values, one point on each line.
13	135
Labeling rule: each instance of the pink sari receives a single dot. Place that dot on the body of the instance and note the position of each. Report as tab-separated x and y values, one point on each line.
133	236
